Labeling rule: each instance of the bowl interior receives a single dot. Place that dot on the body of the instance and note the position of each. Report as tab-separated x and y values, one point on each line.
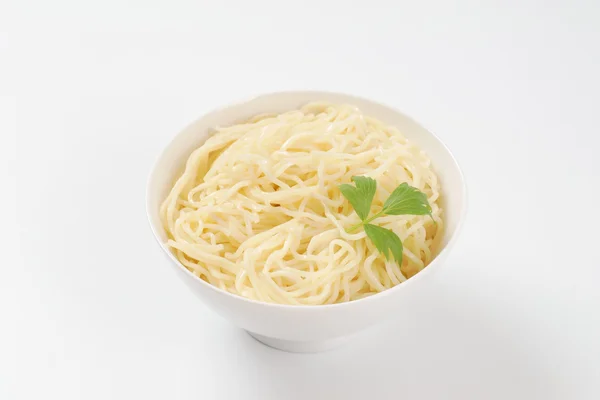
171	162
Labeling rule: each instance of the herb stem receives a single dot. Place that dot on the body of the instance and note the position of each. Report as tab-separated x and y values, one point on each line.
366	221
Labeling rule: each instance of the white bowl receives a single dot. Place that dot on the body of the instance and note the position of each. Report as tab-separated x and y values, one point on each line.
306	328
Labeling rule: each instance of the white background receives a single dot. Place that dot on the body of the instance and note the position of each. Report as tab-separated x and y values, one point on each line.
90	92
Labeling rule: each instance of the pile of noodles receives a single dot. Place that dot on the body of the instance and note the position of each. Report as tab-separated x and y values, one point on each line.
258	212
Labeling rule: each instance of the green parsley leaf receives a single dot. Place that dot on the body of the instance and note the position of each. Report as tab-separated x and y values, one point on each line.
360	196
385	240
406	200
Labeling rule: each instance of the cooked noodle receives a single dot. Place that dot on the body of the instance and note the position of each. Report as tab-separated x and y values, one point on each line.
258	213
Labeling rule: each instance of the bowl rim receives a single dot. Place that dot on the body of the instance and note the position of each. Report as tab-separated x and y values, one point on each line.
418	277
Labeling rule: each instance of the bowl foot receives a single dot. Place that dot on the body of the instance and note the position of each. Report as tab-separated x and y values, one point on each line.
292	346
